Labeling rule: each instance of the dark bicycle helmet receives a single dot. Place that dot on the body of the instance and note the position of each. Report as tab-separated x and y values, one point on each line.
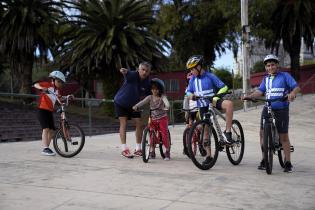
194	61
271	57
159	83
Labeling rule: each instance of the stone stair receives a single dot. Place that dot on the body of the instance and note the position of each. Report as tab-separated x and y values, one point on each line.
19	123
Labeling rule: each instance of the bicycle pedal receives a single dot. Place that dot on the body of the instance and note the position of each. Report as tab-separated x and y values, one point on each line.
292	148
75	143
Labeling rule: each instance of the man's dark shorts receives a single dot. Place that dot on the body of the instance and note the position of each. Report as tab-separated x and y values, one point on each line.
204	110
282	119
46	119
124	112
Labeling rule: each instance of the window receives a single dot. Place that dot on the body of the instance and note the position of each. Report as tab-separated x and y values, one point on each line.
171	85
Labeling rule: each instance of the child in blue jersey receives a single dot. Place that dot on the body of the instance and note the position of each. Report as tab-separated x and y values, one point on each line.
136	86
204	83
277	84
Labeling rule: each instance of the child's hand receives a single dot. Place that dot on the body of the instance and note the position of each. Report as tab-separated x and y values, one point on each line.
123	71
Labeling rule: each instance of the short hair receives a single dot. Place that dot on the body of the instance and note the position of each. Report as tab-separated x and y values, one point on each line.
147	64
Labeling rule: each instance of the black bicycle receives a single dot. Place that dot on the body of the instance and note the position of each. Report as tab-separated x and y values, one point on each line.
206	137
271	139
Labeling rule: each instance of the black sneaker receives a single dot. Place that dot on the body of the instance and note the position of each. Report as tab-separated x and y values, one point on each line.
262	165
288	167
207	161
48	152
228	136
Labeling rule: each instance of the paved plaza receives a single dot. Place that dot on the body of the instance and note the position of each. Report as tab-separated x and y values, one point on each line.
99	178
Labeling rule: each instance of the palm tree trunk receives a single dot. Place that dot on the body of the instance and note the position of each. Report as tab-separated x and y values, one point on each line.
295	56
22	70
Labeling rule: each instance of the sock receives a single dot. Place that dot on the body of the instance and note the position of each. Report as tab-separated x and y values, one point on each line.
124	147
138	147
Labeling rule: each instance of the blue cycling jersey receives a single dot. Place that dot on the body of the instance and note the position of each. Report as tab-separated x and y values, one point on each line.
206	85
132	90
278	86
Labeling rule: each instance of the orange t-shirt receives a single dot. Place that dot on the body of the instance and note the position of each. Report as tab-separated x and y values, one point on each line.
47	101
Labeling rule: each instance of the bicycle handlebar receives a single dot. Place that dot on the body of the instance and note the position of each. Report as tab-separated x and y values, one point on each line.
255	100
211	97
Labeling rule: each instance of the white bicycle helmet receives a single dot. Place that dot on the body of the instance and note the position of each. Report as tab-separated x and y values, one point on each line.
58	75
271	57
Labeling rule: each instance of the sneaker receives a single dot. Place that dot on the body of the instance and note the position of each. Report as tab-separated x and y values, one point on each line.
262	165
48	152
207	161
152	155
167	156
126	153
228	136
288	167
137	153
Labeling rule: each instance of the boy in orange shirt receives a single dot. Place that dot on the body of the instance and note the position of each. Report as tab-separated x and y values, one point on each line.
47	100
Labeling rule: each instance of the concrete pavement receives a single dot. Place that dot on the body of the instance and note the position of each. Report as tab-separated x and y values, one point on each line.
99	178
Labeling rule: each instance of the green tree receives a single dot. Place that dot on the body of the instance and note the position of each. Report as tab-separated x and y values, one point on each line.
259	66
225	75
291	21
26	30
107	35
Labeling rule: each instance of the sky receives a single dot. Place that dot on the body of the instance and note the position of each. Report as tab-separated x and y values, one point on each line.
226	60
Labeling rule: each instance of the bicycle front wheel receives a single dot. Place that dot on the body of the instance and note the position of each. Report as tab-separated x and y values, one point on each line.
185	141
147	139
235	151
69	141
203	145
268	148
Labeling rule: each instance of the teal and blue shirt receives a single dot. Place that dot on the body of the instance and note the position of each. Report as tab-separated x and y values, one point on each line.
207	84
278	86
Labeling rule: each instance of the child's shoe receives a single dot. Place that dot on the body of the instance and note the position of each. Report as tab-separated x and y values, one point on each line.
167	156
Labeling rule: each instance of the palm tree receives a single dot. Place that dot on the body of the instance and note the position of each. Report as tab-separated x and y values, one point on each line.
293	20
108	34
26	31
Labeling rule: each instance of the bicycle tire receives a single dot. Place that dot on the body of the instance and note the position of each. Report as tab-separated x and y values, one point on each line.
281	156
235	151
196	146
185	141
69	148
163	149
146	144
268	148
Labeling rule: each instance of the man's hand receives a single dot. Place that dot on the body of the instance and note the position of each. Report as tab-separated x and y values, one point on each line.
123	71
291	96
135	108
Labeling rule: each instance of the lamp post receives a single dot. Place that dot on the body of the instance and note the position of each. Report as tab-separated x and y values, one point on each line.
245	47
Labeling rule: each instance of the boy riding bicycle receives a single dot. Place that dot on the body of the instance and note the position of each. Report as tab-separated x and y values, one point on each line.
204	83
158	106
46	107
277	84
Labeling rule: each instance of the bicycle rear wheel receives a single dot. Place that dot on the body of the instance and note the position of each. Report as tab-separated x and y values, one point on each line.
146	144
281	156
235	151
185	141
69	141
162	148
268	148
199	144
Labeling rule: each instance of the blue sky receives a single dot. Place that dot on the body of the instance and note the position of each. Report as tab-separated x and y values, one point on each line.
226	60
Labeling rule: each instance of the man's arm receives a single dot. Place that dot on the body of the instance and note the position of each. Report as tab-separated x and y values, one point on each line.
292	94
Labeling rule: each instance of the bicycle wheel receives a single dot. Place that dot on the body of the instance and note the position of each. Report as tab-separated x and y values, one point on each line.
146	144
199	144
268	148
281	156
69	141
162	148
185	141
235	151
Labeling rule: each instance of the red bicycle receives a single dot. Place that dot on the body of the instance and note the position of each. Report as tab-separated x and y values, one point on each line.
152	136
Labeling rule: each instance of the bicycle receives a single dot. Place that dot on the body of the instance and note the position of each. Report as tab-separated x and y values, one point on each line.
151	137
69	138
271	139
215	142
186	131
